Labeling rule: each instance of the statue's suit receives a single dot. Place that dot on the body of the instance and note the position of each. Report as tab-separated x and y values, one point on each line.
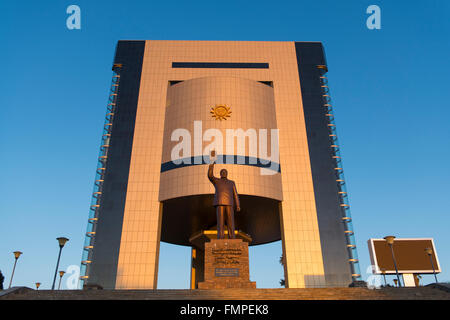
225	199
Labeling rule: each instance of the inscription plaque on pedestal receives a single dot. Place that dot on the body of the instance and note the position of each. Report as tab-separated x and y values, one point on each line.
227	272
226	265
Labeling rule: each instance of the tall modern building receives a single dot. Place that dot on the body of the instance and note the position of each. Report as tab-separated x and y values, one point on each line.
266	110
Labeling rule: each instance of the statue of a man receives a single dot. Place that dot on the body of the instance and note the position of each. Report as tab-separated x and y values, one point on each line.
225	199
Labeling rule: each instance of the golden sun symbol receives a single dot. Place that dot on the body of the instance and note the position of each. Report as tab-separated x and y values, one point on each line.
220	112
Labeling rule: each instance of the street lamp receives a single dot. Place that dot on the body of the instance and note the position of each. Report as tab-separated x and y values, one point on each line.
390	242
429	252
62	241
61	274
16	256
383	271
38	284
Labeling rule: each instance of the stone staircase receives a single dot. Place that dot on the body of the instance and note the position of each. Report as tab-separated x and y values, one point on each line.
421	293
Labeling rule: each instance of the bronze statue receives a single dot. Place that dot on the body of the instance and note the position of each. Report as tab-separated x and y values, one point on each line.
225	199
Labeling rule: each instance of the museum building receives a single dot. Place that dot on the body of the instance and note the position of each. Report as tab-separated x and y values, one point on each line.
265	108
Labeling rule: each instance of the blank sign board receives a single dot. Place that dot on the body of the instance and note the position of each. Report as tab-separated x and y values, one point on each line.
409	254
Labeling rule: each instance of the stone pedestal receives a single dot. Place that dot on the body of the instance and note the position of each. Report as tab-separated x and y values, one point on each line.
226	265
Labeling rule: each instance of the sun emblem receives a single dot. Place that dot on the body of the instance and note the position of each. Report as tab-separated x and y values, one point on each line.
220	112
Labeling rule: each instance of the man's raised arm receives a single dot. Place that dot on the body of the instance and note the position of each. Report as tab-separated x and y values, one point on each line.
211	167
211	173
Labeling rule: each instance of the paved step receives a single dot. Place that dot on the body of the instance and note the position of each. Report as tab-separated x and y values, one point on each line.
422	293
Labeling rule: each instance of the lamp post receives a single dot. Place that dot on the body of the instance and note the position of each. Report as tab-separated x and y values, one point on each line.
62	241
390	242
38	284
61	274
383	271
429	252
16	257
417	278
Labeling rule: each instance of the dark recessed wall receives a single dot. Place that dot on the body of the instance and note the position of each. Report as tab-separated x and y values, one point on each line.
331	228
105	254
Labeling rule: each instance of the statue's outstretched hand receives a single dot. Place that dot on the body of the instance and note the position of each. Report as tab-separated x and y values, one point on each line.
213	157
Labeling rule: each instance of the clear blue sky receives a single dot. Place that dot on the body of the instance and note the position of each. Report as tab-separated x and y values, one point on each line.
389	87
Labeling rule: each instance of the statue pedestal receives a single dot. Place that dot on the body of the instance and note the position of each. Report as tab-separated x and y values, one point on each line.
226	265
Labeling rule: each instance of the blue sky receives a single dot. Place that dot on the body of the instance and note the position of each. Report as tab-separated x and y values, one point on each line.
389	88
